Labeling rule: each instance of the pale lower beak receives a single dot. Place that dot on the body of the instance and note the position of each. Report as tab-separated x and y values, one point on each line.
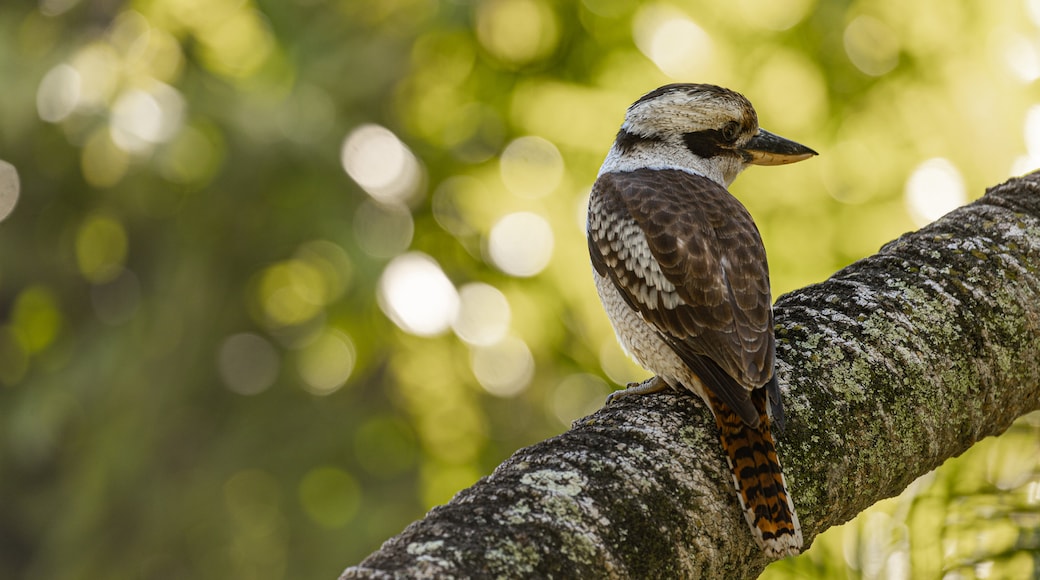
767	148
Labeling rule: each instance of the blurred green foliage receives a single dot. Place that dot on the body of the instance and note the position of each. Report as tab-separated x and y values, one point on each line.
278	276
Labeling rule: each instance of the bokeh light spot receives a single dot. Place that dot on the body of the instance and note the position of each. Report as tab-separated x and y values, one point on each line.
417	296
505	368
1033	9
517	32
775	15
141	119
103	163
291	292
791	92
521	244
331	262
98	65
330	496
248	363
192	157
36	315
484	314
381	164
326	362
934	188
871	45
56	7
58	93
674	42
101	247
1031	131
10	189
1031	134
237	43
1022	58
531	166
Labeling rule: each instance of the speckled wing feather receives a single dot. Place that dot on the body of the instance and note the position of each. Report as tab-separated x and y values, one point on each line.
707	289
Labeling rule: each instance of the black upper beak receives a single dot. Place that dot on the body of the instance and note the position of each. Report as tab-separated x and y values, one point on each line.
766	148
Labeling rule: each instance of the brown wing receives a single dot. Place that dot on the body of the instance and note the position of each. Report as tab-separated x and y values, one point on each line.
706	288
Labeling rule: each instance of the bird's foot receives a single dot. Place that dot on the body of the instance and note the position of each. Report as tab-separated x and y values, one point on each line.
652	385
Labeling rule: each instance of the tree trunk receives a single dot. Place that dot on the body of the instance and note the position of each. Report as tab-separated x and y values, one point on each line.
893	365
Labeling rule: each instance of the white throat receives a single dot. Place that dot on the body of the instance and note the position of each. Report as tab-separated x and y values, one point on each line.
662	155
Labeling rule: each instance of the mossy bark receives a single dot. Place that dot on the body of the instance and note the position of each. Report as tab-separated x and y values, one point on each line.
890	367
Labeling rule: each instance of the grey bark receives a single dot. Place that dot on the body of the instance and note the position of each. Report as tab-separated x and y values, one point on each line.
893	365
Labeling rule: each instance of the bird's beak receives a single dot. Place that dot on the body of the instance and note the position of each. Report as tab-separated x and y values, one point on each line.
766	148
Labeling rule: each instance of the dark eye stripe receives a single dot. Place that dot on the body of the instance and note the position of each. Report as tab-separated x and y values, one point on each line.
628	141
705	144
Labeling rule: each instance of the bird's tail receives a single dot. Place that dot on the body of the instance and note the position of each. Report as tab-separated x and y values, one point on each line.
758	478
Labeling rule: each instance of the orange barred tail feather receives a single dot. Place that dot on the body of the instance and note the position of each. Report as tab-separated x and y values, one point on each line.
758	478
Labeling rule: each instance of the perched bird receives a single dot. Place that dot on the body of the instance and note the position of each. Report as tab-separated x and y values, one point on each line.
681	271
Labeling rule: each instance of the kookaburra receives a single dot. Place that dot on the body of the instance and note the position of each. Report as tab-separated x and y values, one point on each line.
681	270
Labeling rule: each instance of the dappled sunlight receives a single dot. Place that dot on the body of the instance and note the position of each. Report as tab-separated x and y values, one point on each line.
381	164
415	293
934	189
503	368
531	167
674	42
143	118
521	244
1022	55
59	93
1031	134
779	15
484	315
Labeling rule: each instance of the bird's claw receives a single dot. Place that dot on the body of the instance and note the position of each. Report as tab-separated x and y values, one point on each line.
653	385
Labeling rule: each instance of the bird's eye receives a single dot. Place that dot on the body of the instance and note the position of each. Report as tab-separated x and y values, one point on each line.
731	131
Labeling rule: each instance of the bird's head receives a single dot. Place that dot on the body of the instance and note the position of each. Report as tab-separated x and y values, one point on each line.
703	128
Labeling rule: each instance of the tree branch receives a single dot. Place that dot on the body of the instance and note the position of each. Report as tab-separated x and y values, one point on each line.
890	367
